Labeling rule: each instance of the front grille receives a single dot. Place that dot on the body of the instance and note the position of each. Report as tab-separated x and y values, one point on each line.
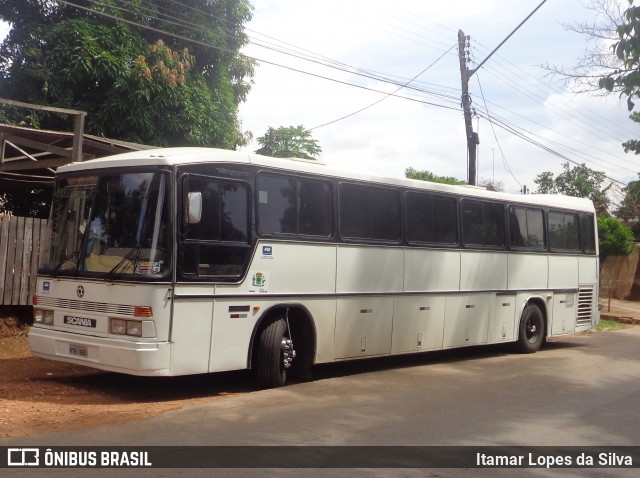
585	306
100	307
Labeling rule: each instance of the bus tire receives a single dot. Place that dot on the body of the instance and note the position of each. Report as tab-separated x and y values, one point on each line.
274	347
531	332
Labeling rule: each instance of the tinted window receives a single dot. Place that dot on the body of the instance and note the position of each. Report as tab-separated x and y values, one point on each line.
294	206
431	219
315	208
563	231
588	233
277	205
368	212
526	228
482	224
224	211
218	245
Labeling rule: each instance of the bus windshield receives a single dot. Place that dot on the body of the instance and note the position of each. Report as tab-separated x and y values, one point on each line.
110	226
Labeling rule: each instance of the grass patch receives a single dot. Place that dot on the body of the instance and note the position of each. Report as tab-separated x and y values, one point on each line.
610	325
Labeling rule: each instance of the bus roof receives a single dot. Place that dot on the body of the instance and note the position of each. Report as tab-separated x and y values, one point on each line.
193	155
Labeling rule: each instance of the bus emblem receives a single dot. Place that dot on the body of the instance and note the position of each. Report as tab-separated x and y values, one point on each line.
259	279
80	291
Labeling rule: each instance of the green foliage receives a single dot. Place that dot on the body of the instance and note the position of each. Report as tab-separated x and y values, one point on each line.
630	206
605	324
615	238
579	181
288	142
136	84
626	79
431	177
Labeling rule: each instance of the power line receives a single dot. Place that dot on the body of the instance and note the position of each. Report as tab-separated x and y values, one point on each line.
386	96
305	55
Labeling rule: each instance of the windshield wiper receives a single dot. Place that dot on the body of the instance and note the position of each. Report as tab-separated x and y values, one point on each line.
67	259
135	249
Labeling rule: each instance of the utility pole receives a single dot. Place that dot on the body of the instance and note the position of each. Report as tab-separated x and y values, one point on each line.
472	138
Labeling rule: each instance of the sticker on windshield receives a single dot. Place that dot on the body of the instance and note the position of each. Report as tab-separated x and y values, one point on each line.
148	267
82	181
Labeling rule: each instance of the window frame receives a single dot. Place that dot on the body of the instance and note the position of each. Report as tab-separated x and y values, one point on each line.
432	196
575	213
184	242
397	192
527	208
485	204
299	179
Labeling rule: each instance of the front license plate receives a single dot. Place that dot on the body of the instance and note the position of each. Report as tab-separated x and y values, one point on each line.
79	350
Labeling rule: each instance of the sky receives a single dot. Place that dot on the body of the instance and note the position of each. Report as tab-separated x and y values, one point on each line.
374	47
425	129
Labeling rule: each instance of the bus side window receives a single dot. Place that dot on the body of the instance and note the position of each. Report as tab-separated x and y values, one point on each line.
431	219
482	224
563	231
369	213
587	233
292	205
526	228
217	245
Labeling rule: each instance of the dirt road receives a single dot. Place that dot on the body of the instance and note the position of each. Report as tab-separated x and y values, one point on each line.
39	396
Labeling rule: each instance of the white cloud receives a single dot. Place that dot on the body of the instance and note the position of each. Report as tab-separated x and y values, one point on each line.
400	39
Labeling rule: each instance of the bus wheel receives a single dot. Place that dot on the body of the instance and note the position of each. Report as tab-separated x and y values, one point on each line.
531	333
275	354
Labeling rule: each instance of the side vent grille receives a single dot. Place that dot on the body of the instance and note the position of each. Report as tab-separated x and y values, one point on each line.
585	306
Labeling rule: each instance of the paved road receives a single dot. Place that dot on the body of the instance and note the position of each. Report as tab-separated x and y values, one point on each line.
581	390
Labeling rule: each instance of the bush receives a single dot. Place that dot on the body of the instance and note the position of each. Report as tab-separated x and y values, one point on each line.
615	238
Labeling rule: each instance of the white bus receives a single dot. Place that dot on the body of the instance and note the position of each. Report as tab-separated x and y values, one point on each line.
191	260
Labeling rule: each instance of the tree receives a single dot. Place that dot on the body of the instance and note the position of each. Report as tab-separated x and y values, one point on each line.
492	185
615	239
431	177
288	142
137	84
579	181
630	206
598	59
626	78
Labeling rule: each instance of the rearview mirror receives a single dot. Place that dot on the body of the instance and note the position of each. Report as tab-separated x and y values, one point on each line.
194	207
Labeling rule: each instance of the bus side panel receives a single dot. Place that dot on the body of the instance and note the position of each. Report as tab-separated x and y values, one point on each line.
563	279
288	268
364	322
527	271
588	270
467	320
418	323
369	270
363	326
502	326
191	330
278	268
483	271
431	270
563	272
565	305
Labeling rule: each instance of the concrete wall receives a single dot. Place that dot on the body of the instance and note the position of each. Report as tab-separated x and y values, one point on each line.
620	276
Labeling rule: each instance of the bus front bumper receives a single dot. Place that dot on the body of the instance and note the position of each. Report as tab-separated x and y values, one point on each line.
133	358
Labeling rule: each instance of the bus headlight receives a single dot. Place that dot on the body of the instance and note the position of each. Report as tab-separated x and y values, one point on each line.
134	328
126	327
118	326
43	316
